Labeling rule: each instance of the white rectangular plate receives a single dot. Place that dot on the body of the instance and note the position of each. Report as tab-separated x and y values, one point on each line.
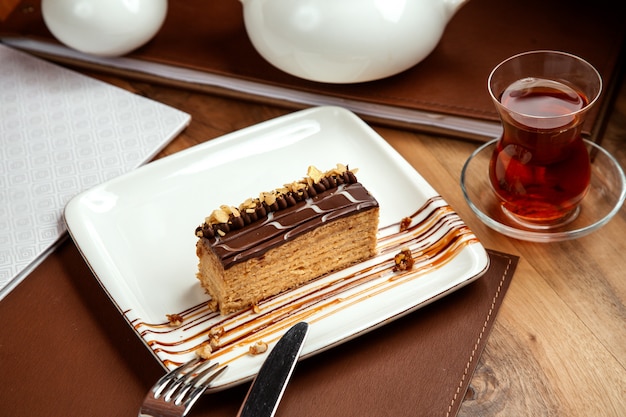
136	232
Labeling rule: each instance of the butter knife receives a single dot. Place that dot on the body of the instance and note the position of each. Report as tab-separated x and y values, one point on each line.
269	385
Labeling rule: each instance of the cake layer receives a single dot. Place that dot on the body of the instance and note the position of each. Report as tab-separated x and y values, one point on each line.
286	224
285	238
333	246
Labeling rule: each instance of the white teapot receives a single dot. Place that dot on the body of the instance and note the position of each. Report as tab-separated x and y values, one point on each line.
346	41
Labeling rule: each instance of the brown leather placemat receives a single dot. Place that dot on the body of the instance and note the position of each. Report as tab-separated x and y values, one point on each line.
210	37
66	351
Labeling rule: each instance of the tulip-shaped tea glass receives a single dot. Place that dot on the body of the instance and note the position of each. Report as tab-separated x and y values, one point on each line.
540	168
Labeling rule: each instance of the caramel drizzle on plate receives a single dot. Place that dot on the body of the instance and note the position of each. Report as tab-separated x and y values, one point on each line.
435	236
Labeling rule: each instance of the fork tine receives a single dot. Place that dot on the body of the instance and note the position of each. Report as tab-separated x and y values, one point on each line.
173	375
176	392
184	376
190	380
200	387
205	375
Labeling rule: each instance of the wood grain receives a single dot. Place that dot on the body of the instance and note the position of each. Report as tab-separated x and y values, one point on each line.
558	347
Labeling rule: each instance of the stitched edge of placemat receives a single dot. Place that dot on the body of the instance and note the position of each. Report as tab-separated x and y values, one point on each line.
472	361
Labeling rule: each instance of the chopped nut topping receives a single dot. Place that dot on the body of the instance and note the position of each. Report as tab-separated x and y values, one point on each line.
267	198
405	224
218	216
216	331
403	261
214	343
230	210
214	337
315	174
204	351
227	218
174	320
296	187
258	348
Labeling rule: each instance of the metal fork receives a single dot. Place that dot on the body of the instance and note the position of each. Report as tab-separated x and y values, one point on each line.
176	392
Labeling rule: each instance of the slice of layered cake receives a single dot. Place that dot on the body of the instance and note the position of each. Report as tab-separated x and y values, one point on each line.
285	238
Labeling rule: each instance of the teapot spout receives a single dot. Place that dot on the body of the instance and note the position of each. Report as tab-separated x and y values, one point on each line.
452	6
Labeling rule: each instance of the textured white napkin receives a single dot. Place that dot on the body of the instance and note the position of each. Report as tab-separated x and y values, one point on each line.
61	133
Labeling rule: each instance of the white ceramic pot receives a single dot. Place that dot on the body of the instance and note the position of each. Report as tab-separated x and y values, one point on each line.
104	27
346	41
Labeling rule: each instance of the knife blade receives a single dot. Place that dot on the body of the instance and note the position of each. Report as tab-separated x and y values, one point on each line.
269	385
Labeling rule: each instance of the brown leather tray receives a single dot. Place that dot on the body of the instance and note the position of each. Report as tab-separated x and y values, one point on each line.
209	37
68	352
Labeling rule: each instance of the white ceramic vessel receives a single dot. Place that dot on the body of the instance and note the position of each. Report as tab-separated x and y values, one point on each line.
104	27
346	41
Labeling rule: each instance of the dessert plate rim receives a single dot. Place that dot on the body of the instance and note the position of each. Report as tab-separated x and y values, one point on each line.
136	233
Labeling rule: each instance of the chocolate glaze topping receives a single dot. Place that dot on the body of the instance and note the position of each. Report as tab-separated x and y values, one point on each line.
253	232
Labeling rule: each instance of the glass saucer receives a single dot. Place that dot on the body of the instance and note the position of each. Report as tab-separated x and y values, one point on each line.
604	199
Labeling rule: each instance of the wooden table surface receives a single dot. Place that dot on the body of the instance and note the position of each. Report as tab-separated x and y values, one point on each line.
558	347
